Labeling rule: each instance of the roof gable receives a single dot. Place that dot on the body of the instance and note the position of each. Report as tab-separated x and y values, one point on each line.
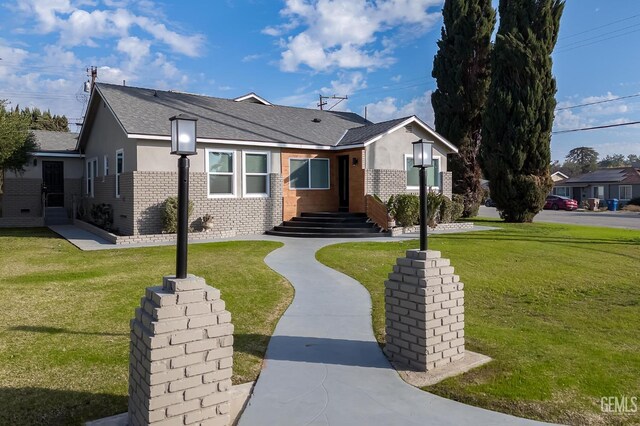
252	97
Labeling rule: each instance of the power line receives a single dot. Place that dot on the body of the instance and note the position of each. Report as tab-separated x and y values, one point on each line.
597	41
598	102
606	126
599	35
598	27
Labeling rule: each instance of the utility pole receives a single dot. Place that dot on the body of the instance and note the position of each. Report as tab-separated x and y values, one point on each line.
93	74
323	102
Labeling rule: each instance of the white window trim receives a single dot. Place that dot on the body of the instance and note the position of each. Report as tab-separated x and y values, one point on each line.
630	192
118	151
593	192
415	188
309	159
91	189
105	166
245	174
234	162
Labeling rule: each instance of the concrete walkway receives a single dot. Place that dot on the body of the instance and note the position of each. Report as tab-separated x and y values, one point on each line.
324	367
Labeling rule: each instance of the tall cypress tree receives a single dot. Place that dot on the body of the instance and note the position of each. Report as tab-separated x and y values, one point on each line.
515	151
461	69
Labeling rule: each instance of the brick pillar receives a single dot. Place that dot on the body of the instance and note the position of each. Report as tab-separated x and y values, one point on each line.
447	184
424	307
181	356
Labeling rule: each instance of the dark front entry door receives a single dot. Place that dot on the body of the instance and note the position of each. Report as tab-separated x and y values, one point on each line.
53	183
577	195
343	183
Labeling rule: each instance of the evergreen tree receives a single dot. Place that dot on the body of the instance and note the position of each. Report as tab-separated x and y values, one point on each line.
16	141
461	69
515	151
585	159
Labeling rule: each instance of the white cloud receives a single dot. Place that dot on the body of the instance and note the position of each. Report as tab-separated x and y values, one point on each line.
390	108
82	27
136	49
343	33
594	115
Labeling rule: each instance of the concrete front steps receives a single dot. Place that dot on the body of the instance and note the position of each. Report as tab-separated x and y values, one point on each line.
56	216
329	225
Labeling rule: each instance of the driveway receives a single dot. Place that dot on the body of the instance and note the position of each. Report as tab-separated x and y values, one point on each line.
620	219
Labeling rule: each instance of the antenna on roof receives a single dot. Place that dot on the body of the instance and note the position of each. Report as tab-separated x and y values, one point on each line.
323	103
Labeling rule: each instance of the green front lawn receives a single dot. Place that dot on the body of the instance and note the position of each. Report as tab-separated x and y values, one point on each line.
556	306
64	334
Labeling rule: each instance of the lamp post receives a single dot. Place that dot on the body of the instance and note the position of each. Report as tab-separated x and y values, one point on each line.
423	158
183	143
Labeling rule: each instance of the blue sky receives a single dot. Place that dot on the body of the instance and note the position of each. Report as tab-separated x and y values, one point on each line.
379	53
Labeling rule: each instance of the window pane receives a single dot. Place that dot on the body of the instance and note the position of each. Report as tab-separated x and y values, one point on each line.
220	184
413	178
256	184
433	173
299	174
319	174
256	163
119	164
220	162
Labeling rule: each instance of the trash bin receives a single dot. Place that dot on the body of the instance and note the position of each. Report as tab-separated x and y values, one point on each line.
612	205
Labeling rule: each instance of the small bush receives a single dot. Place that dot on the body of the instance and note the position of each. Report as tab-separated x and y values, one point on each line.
451	210
434	202
170	215
391	207
634	201
102	215
406	209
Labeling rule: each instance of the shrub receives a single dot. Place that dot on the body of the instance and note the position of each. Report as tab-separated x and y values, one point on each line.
102	215
457	207
170	215
406	208
634	201
434	202
391	207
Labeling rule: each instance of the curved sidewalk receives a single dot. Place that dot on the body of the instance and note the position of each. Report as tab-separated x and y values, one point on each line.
323	365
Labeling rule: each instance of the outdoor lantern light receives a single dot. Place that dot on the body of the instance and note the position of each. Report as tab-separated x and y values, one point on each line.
422	158
183	143
422	153
183	134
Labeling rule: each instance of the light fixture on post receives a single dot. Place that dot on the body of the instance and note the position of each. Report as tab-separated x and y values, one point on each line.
183	143
423	158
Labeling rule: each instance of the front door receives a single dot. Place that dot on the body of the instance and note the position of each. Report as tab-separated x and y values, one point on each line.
53	183
343	183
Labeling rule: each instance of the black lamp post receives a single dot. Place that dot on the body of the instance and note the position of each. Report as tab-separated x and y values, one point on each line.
183	143
423	158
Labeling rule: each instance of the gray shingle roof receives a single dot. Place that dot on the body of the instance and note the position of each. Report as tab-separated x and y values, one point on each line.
615	175
362	134
55	141
147	111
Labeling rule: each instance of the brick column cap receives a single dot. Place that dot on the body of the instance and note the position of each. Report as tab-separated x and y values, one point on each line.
172	284
423	255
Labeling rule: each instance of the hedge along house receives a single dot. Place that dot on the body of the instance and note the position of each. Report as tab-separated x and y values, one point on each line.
44	192
257	164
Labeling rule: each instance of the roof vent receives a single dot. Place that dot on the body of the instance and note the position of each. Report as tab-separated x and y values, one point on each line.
316	120
155	93
409	128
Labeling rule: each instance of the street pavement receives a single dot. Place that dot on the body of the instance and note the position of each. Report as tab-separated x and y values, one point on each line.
619	219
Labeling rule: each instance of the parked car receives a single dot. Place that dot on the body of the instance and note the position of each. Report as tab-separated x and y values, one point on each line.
489	203
556	202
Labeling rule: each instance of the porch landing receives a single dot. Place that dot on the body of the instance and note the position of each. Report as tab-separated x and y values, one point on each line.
329	225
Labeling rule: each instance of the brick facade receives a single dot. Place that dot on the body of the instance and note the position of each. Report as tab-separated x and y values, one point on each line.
385	183
424	310
20	195
232	216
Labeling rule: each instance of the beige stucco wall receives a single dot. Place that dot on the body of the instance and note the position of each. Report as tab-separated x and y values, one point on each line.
154	156
106	138
388	152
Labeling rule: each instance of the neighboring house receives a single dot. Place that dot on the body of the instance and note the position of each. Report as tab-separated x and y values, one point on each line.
257	164
558	176
622	183
51	179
